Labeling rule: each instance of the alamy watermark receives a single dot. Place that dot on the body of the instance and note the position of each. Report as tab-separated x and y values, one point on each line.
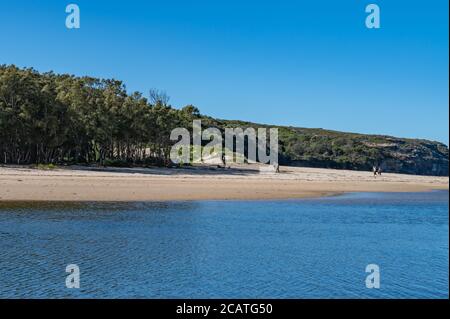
373	279
188	150
73	18
373	19
73	279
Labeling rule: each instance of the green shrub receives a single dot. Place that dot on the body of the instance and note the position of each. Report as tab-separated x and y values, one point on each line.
46	166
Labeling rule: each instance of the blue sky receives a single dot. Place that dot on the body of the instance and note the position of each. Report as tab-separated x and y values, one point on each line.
300	63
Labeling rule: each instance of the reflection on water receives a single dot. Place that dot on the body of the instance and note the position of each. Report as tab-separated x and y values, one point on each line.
316	248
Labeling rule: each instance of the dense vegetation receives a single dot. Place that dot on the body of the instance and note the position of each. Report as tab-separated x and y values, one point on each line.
50	118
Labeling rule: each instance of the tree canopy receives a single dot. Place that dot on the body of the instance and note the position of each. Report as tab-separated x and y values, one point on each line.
49	118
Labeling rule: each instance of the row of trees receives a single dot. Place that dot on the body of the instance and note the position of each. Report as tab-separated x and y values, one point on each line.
50	118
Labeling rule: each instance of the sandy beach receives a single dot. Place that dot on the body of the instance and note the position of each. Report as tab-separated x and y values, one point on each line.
200	183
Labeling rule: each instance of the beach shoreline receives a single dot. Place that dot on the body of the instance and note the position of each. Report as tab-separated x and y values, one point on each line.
244	182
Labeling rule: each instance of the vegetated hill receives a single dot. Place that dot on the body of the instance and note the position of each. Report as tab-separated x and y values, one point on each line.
331	149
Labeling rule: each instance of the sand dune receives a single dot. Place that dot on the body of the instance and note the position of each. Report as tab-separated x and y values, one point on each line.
198	183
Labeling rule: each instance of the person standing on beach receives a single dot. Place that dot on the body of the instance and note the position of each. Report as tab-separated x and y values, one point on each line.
375	170
223	160
276	168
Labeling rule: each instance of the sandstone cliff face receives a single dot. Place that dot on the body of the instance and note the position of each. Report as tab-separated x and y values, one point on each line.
419	157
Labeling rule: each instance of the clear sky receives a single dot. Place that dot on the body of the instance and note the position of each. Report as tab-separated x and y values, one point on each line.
300	63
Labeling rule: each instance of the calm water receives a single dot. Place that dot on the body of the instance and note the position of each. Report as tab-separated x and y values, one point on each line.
257	249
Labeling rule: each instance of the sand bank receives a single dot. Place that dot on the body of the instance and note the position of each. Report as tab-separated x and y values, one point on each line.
200	183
